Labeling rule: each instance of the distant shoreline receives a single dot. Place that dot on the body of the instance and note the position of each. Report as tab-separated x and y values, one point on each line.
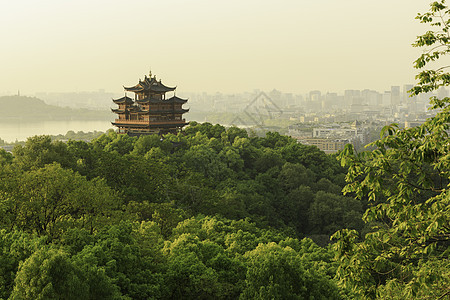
28	110
11	131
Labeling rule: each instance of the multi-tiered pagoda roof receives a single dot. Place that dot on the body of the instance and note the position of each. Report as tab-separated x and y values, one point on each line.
149	84
150	112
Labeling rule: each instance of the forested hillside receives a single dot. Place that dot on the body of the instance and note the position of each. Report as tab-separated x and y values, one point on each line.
209	213
30	109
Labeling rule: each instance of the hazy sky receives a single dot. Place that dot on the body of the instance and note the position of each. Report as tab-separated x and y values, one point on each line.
208	45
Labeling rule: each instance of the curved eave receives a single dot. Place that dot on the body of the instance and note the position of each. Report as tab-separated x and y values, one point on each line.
118	111
160	88
150	85
176	99
177	111
156	86
126	100
133	89
123	102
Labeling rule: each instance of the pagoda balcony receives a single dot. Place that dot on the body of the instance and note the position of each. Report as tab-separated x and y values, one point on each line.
138	122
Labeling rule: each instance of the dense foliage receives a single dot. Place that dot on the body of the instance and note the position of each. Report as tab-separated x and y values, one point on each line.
210	213
406	256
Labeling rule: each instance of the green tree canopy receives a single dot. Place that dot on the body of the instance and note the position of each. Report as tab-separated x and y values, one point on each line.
276	272
49	274
407	177
51	199
39	151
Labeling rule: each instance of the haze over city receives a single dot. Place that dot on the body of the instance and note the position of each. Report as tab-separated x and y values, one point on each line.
208	46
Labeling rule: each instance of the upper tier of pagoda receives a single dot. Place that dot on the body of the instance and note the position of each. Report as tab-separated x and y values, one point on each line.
149	84
173	99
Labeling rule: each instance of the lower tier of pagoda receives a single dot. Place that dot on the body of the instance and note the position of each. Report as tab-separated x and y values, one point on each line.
147	124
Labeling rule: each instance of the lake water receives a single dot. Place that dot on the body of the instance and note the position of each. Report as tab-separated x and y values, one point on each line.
20	131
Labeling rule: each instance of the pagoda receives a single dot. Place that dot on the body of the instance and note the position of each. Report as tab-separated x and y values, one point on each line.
149	112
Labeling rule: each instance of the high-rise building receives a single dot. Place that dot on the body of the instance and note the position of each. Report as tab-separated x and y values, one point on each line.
395	95
406	93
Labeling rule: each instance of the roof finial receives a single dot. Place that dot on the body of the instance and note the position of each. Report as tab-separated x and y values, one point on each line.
150	73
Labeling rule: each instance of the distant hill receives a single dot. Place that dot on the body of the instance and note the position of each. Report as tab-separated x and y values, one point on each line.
21	108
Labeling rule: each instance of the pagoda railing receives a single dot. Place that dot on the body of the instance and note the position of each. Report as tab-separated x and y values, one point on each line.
150	122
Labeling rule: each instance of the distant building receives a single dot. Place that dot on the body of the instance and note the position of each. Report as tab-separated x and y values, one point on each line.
326	145
349	95
371	98
395	95
413	123
150	112
7	148
354	134
386	100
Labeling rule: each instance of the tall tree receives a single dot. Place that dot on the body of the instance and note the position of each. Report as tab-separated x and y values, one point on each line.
407	254
39	151
51	199
49	274
276	272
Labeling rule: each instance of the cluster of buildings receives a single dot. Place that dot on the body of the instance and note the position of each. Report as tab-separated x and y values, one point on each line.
328	121
367	104
331	138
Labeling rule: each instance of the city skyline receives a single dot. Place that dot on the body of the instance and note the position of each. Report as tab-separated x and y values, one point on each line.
232	47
